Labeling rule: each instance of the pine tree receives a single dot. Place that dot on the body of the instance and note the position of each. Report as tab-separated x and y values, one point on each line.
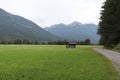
110	23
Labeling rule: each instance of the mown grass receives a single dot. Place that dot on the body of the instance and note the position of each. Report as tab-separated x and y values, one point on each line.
30	62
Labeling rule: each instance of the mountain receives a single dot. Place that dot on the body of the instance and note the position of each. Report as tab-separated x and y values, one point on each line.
16	27
75	31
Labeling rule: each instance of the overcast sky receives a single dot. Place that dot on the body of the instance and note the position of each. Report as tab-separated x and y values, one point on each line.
49	12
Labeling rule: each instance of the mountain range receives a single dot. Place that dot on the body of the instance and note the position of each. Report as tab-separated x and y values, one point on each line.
76	31
16	27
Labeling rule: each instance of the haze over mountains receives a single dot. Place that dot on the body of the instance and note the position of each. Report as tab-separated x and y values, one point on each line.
15	27
75	31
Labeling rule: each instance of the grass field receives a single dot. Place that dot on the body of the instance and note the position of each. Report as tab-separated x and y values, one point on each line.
28	62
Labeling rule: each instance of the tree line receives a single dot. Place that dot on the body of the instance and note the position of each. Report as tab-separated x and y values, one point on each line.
18	41
25	41
110	23
85	42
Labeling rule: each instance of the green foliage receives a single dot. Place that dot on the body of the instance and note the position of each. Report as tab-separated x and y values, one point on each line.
110	23
117	48
59	42
53	63
4	41
19	41
87	41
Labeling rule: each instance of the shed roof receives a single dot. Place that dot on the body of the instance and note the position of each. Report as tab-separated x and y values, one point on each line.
72	42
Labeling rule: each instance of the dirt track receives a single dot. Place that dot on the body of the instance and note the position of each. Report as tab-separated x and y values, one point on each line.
113	56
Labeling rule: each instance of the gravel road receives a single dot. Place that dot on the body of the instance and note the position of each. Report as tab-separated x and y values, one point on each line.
111	55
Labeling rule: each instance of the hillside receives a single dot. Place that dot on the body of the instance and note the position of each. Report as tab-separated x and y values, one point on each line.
16	27
75	31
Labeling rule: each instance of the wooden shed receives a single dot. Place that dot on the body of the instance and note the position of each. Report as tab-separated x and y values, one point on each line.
71	44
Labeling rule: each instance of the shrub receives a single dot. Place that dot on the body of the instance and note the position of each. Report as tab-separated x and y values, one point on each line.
117	48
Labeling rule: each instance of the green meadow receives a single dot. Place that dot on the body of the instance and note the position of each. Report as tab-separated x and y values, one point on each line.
49	62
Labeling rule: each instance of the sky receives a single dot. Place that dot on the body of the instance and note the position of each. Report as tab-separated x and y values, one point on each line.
49	12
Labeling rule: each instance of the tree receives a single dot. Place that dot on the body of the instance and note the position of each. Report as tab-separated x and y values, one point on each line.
25	41
17	41
87	42
110	23
36	42
5	41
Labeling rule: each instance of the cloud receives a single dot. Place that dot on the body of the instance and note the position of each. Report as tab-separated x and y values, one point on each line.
48	12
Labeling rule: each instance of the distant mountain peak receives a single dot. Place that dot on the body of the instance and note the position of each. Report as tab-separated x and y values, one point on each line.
75	23
76	31
61	24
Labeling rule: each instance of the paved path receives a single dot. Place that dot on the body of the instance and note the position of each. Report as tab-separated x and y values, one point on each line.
113	56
